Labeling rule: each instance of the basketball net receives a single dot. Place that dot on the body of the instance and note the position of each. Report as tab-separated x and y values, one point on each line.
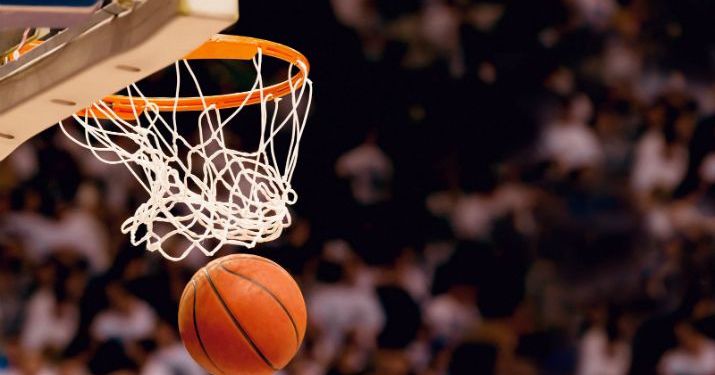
202	190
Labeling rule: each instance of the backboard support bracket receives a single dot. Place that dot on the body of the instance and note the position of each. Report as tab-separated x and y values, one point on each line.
82	64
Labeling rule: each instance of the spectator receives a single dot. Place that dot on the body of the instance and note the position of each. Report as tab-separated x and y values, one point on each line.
694	355
171	356
569	142
127	318
369	171
449	315
52	316
337	307
604	350
660	158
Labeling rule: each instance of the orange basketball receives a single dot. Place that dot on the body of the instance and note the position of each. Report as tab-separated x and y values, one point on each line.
242	315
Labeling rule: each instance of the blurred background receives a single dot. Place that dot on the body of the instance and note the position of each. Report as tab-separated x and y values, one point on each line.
486	187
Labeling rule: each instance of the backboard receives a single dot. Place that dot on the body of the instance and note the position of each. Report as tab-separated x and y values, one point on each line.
103	50
45	13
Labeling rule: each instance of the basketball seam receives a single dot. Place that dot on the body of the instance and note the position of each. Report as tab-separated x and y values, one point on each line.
237	323
198	335
275	298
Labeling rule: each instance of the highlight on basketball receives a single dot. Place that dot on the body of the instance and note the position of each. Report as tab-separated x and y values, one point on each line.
357	187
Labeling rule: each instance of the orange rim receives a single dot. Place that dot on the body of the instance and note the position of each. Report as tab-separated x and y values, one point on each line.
220	47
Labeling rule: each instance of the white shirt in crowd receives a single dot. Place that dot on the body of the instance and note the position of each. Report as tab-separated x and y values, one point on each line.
448	318
137	324
572	145
595	13
682	362
659	221
35	231
596	358
77	230
415	281
339	309
654	168
86	235
621	62
47	327
472	217
364	166
170	361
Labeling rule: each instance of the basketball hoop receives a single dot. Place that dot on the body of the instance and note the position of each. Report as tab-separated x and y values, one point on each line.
205	191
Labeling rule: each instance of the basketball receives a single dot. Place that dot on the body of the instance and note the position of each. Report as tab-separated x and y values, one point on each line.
242	314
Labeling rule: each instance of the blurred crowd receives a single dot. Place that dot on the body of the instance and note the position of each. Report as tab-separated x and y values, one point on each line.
486	187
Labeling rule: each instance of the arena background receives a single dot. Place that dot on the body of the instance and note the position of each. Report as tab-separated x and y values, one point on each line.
486	187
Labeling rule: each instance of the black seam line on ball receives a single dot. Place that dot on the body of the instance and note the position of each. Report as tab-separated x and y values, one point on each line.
275	298
238	324
198	335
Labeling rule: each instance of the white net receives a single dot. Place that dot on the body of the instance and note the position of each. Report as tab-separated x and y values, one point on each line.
201	189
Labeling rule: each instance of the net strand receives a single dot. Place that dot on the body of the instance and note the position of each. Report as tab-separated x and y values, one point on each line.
205	193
